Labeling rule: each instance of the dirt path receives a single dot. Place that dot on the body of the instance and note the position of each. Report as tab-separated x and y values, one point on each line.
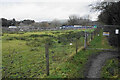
95	64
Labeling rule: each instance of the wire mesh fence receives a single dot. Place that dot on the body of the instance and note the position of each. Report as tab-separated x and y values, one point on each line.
32	62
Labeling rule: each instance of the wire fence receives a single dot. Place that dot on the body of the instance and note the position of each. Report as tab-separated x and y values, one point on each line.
39	61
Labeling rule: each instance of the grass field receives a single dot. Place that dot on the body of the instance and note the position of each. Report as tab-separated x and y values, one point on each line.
23	54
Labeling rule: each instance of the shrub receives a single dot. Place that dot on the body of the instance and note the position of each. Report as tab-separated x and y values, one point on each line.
9	38
69	37
34	49
33	43
42	35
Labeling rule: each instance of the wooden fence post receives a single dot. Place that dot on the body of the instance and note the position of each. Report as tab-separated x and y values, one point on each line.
91	36
76	46
47	58
94	34
20	63
85	40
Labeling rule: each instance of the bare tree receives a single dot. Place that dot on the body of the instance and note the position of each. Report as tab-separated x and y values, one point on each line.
44	24
76	20
55	23
73	20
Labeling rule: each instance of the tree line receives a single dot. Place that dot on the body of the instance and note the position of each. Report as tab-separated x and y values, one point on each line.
109	12
13	22
73	20
110	16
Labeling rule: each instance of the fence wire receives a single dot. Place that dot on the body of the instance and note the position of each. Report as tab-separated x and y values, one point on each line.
21	64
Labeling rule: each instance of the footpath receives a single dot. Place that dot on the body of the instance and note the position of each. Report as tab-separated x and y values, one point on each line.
97	61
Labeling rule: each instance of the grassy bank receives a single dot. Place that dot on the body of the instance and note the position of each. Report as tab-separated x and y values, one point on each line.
75	66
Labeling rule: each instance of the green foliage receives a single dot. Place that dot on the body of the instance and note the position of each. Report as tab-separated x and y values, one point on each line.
75	66
34	49
70	37
24	54
103	44
109	12
42	35
17	38
33	43
111	69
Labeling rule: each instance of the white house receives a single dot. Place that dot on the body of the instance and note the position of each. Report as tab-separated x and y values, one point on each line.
10	27
13	28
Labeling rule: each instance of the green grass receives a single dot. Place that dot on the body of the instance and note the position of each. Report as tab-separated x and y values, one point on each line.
100	42
22	58
111	69
75	66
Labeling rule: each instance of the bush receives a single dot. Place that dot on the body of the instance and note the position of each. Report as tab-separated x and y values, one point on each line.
69	37
17	38
55	32
33	43
42	35
34	49
9	38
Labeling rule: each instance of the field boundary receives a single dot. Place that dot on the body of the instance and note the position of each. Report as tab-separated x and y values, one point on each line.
71	55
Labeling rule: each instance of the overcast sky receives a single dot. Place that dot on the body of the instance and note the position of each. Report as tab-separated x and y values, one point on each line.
44	10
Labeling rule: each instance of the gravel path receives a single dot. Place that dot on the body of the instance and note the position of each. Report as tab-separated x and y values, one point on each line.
97	62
